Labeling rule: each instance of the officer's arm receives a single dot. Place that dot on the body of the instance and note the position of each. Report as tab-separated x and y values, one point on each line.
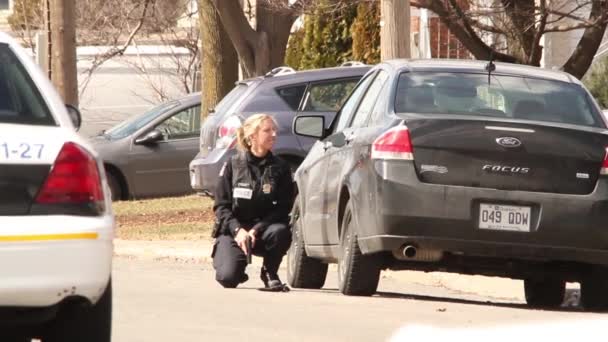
280	214
223	201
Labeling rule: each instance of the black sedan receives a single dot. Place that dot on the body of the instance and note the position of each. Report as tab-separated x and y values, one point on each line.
461	166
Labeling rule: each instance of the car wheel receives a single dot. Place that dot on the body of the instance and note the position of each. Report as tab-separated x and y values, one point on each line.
358	274
594	288
115	188
77	324
547	292
302	271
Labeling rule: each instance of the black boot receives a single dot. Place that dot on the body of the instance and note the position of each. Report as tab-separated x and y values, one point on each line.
272	282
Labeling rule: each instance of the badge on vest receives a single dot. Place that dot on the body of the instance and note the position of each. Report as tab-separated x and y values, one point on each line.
266	188
242	193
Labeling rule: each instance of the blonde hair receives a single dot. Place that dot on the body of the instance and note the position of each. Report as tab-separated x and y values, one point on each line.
249	128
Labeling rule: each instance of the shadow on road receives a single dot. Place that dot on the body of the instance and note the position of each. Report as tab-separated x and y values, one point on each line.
570	304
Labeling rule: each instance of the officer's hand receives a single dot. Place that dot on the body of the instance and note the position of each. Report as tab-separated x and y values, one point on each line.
241	239
252	234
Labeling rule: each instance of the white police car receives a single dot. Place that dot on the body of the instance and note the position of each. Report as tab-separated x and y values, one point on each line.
56	222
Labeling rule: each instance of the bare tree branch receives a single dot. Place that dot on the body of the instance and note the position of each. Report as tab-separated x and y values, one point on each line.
106	56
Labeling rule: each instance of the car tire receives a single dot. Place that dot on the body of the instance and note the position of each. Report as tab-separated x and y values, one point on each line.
115	188
76	323
358	274
594	289
303	271
545	293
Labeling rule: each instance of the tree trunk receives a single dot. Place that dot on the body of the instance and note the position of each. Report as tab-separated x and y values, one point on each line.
274	29
259	49
63	50
219	60
582	57
395	29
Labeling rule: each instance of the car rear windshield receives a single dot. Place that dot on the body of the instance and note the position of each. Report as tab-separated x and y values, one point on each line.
227	104
503	96
20	100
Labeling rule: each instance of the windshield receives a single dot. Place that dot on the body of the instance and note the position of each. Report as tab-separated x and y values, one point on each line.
20	100
132	125
513	97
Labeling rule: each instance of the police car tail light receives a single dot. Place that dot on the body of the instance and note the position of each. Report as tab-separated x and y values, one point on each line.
74	178
394	144
604	169
227	132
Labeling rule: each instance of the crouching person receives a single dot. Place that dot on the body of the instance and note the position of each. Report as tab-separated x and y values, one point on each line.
253	198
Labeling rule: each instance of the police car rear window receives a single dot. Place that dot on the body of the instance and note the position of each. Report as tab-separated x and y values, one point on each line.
20	100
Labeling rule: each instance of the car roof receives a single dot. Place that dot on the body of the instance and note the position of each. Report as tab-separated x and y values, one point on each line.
312	75
460	65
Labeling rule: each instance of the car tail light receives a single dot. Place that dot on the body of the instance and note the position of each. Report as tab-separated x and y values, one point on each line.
395	144
227	132
74	178
604	169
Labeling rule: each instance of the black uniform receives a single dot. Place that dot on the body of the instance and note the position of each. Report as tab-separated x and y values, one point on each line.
251	193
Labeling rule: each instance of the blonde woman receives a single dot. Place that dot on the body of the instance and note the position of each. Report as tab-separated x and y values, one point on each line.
253	199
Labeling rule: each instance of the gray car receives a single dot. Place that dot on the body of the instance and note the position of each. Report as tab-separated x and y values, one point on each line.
148	155
282	93
470	167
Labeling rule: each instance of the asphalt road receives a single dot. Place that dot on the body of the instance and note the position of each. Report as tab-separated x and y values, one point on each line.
168	301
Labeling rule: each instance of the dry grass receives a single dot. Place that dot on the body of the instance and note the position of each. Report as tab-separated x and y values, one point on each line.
175	218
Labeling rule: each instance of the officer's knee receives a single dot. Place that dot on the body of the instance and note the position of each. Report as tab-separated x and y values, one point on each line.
281	236
229	278
279	231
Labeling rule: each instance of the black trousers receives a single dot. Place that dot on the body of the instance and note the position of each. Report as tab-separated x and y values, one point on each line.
229	260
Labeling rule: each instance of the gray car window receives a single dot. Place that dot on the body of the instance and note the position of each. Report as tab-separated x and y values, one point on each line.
379	113
20	100
328	96
182	125
292	95
350	105
369	100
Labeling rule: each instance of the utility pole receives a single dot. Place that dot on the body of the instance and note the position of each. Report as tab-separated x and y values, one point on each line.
395	29
63	49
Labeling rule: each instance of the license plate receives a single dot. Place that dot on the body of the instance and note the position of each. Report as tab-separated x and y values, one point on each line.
504	217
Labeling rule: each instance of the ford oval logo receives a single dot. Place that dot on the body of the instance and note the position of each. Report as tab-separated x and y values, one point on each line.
508	142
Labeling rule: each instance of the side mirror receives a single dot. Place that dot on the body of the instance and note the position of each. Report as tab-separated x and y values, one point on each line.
151	137
75	116
310	126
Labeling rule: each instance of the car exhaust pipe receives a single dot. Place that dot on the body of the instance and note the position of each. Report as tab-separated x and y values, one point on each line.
409	251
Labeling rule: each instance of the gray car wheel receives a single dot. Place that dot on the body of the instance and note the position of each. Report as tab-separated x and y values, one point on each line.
594	288
115	188
358	274
544	292
302	271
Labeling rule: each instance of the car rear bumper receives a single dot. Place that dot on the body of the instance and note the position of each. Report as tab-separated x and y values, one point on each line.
61	257
204	171
563	227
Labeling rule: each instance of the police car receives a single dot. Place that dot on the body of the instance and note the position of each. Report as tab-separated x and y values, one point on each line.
56	222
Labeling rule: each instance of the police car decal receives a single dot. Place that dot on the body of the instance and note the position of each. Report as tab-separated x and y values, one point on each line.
18	148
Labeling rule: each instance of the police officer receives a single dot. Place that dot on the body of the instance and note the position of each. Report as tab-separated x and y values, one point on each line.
253	198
